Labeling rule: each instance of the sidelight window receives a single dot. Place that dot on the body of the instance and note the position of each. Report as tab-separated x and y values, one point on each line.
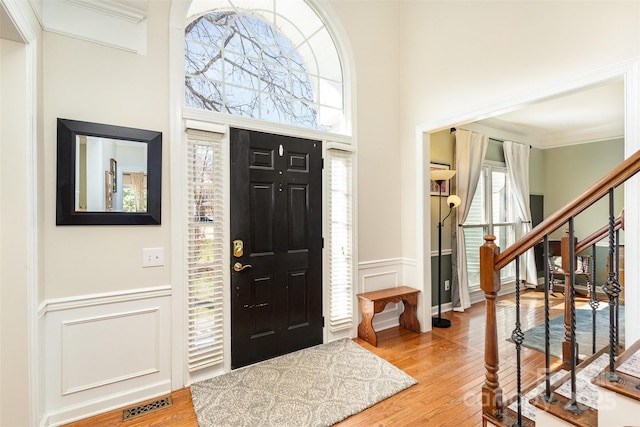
205	207
340	170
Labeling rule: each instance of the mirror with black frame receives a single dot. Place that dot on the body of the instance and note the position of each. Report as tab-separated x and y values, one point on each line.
108	175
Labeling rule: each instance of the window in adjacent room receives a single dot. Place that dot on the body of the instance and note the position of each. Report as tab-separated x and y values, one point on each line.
134	192
492	212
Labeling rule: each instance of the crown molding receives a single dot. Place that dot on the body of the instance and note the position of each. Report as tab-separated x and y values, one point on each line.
543	139
132	10
95	21
584	136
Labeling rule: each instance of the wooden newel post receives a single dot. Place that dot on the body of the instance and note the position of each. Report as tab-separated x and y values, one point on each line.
490	285
566	266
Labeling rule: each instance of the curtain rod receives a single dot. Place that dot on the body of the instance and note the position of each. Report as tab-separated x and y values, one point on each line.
452	130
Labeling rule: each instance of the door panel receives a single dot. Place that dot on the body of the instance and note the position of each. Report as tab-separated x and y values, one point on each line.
276	210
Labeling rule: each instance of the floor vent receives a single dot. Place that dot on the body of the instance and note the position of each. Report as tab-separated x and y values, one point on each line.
140	410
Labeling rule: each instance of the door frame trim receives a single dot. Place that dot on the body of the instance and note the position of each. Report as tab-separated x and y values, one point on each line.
177	116
203	121
29	33
630	70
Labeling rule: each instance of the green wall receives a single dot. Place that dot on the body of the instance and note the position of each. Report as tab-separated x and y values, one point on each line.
446	275
494	151
570	170
442	151
537	160
558	174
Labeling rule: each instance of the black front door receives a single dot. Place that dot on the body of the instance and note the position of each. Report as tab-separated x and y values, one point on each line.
276	260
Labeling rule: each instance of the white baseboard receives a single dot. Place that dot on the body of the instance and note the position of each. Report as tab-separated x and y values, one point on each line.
108	403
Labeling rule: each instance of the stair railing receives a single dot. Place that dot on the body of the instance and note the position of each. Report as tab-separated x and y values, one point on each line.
590	242
492	261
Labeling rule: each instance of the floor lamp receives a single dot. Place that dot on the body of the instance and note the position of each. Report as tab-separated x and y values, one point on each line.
440	176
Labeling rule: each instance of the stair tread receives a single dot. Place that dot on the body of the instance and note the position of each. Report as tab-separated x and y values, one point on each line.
628	371
631	366
587	392
588	417
528	410
508	419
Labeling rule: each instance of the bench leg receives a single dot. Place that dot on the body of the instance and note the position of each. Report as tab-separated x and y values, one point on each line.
408	318
365	328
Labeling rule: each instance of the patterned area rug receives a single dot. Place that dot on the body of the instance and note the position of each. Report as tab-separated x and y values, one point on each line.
317	386
534	337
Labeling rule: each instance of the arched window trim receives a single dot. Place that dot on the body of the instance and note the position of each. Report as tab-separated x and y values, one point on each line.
282	18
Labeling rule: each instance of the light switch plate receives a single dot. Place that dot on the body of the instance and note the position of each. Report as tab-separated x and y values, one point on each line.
152	257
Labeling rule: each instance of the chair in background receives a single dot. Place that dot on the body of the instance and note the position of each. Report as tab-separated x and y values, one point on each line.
557	273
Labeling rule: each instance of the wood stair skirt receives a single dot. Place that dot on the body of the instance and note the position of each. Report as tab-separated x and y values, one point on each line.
617	403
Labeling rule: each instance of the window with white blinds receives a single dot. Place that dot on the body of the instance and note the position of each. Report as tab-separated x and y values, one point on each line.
340	244
492	211
204	249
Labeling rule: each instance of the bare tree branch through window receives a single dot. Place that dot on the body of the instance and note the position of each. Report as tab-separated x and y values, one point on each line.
239	64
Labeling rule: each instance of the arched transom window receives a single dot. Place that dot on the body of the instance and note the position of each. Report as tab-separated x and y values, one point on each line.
276	63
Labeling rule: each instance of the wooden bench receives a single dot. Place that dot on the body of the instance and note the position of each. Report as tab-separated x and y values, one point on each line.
372	303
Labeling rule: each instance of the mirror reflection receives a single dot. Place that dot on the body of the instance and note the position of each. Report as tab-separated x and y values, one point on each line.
111	175
108	175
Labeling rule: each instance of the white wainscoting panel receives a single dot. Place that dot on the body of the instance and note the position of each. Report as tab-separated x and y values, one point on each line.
376	275
106	351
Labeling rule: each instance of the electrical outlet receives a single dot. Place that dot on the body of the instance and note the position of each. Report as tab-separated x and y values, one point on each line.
447	286
152	257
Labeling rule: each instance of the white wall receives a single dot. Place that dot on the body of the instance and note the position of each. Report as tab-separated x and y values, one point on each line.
416	62
464	56
95	83
468	60
94	283
373	31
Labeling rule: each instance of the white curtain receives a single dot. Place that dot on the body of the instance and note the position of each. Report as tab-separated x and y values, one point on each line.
137	180
471	148
517	158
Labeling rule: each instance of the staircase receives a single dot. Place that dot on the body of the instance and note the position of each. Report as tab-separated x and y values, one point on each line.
602	402
601	390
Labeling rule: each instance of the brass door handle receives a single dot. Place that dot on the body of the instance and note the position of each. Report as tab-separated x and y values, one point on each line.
239	267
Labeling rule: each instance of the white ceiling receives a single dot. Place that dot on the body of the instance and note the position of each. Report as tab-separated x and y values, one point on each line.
589	115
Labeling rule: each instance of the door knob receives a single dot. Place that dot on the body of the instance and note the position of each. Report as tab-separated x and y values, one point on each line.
239	267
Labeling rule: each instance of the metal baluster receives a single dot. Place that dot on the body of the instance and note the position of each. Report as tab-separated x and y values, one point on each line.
593	302
572	405
518	337
619	289
547	397
612	289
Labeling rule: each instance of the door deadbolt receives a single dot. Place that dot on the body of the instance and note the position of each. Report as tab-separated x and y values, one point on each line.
238	248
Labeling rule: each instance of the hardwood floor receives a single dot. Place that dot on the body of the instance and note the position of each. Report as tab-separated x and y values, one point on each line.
448	364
